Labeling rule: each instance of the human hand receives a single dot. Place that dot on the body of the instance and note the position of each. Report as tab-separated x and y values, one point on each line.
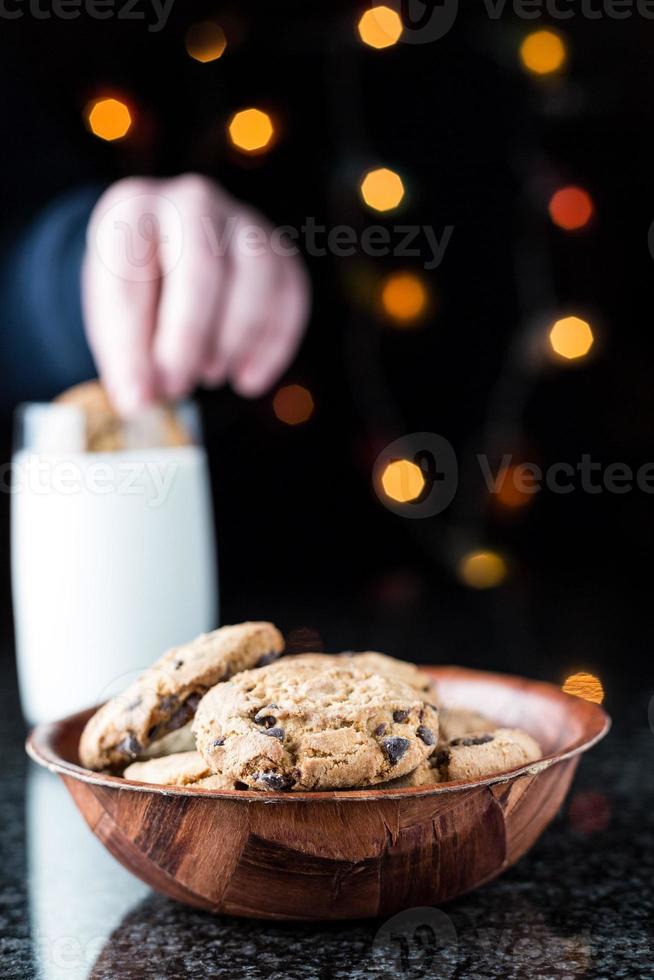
175	293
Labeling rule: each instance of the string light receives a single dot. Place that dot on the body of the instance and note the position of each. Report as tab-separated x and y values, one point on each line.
109	119
205	41
482	569
402	480
571	338
571	208
382	189
251	130
380	27
293	404
585	686
403	297
543	52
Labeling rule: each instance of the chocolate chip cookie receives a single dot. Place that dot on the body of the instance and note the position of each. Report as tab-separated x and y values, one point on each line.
165	696
455	722
399	670
472	757
314	722
484	754
157	425
179	769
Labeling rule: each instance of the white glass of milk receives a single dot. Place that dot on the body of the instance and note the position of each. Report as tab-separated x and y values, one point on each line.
113	557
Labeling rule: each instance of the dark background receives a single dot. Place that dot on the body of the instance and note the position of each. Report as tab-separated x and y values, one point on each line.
481	145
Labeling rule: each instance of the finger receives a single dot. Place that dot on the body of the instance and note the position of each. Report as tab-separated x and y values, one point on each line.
120	282
281	338
254	272
191	293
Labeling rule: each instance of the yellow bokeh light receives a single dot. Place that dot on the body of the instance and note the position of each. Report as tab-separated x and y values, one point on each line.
543	52
251	130
585	686
382	189
293	404
110	119
205	41
380	27
571	338
403	297
402	480
482	569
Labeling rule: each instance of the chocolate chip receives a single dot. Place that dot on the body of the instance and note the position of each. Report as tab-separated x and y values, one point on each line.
178	664
472	740
274	781
276	733
395	747
380	729
263	718
267	658
130	746
400	715
426	735
217	742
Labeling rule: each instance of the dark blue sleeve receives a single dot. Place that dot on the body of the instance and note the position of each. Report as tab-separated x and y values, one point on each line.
44	349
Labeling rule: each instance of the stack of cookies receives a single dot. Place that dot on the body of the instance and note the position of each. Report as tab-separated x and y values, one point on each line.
227	711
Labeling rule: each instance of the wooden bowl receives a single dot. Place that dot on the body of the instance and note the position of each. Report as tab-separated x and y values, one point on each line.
345	854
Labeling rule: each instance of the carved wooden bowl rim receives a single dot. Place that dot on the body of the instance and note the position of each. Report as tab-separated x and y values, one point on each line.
594	722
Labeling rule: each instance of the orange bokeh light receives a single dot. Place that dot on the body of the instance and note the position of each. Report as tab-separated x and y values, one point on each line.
109	119
382	189
571	338
402	480
293	404
585	686
571	208
251	130
404	297
511	493
205	41
482	569
543	52
380	27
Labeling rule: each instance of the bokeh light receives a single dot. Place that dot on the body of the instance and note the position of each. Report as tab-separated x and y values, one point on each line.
205	41
109	119
510	492
251	130
402	480
482	569
543	52
571	208
586	686
293	404
382	189
589	812
571	338
403	297
380	27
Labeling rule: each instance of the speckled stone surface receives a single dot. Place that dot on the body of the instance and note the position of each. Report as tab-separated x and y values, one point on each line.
579	905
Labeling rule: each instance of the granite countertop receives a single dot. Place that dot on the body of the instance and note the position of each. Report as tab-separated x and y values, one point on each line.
580	904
